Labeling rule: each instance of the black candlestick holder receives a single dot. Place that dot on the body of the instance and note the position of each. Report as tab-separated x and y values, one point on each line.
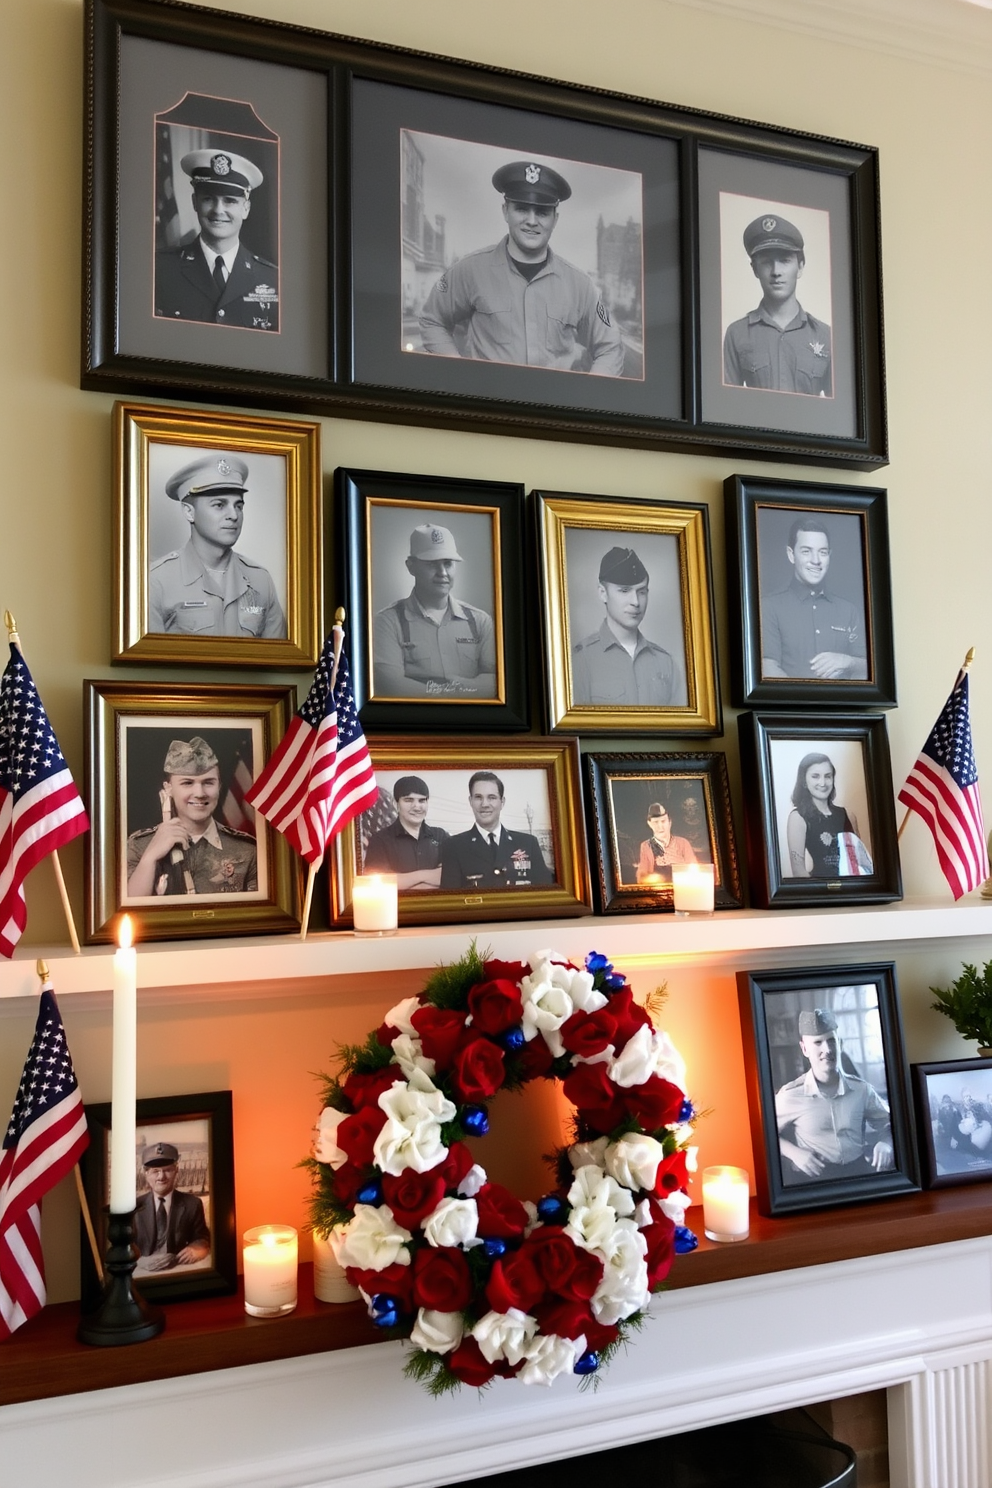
122	1315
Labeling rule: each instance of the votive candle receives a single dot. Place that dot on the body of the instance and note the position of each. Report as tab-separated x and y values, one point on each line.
124	1074
270	1263
329	1281
725	1203
693	888
375	904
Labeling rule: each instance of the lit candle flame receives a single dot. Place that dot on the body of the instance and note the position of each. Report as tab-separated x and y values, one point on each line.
125	934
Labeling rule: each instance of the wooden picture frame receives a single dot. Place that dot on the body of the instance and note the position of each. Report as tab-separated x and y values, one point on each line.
953	1105
169	608
814	1037
694	791
804	855
246	882
539	868
598	558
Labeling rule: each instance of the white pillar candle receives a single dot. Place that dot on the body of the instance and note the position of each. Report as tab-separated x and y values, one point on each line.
374	904
725	1203
270	1257
329	1281
124	1074
693	888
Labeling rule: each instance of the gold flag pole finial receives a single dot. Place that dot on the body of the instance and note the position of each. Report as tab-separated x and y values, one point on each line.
969	658
11	625
41	966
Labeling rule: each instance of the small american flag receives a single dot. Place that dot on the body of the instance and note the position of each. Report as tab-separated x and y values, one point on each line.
45	1136
40	807
321	776
942	788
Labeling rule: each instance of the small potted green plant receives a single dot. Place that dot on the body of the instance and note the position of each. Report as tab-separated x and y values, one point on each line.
968	1004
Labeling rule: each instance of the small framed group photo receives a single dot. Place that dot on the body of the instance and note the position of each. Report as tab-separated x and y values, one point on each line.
434	578
173	841
810	594
217	537
828	1086
819	813
473	831
628	616
954	1121
184	1222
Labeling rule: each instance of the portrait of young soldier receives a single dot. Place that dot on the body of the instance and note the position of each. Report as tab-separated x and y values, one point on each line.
806	629
618	664
779	346
488	855
409	847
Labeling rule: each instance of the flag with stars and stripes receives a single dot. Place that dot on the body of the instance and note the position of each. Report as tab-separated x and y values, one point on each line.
45	1136
320	777
40	807
942	788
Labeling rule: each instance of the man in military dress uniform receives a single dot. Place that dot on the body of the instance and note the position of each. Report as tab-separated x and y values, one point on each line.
489	856
207	588
170	1227
431	644
779	346
518	301
215	278
617	664
805	630
408	847
190	852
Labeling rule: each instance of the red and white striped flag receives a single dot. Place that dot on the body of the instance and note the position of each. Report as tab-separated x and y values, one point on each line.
40	807
234	808
320	777
942	788
45	1137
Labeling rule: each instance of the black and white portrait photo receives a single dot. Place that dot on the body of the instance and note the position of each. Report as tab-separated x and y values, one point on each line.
529	260
433	587
812	594
960	1113
185	827
173	1183
821	806
217	525
659	821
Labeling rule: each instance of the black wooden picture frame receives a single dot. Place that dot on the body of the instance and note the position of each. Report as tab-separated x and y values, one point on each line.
953	1105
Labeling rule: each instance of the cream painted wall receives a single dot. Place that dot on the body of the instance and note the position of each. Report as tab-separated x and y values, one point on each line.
932	125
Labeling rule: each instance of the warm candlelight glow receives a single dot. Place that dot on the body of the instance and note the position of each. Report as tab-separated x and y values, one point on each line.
693	888
270	1262
725	1203
125	933
374	904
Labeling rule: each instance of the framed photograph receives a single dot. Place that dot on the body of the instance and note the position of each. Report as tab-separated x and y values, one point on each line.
953	1101
827	1086
434	576
284	217
184	1225
201	499
172	839
819	812
810	594
648	812
628	616
474	831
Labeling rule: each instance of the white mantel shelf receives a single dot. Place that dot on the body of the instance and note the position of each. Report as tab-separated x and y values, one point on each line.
216	968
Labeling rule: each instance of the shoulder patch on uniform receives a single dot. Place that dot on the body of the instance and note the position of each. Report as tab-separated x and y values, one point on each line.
233	832
581	645
157	562
602	312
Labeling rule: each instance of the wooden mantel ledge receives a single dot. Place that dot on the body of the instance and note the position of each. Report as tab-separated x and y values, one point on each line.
43	1358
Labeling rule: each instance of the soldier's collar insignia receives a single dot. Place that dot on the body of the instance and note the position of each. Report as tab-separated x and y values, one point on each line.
818	349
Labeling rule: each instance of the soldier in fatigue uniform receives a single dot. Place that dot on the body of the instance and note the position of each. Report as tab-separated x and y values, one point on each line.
488	856
215	278
617	665
190	852
431	644
207	588
779	346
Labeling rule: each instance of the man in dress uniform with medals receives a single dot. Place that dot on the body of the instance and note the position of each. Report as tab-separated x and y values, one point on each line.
618	665
489	856
779	346
215	278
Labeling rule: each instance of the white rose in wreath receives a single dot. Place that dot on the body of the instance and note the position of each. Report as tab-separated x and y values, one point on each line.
438	1332
455	1222
548	1356
634	1161
504	1335
372	1240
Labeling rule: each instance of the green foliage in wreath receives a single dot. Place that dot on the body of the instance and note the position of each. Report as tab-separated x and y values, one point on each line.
968	1003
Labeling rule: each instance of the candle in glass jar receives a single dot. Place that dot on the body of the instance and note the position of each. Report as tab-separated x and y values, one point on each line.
693	888
725	1203
329	1281
374	904
270	1264
124	1075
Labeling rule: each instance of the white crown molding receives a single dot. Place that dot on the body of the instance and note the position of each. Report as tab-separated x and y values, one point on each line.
950	33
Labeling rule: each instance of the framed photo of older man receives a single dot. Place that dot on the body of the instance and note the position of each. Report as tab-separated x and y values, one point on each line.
828	1086
810	593
217	537
628	616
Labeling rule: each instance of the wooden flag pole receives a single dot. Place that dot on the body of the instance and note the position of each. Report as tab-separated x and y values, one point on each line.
964	667
42	969
337	632
15	640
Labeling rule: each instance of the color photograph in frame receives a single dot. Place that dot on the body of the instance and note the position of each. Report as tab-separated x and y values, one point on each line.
184	1160
828	1086
173	841
433	572
628	616
953	1100
648	812
440	802
217	537
809	578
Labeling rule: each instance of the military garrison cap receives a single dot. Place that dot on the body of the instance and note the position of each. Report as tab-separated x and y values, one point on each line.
622	566
410	785
432	542
772	232
214	476
816	1023
193	758
233	173
159	1155
656	809
523	181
